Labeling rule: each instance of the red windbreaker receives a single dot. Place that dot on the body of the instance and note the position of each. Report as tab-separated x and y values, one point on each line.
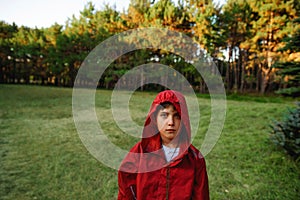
145	174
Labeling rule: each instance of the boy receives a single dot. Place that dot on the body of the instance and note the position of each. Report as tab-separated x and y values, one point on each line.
164	164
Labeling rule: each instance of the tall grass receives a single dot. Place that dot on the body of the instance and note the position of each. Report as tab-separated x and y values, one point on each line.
42	156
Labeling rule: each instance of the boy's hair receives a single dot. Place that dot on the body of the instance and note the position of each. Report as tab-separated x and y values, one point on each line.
165	105
162	106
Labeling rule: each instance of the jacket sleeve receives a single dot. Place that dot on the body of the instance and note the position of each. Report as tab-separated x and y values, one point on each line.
201	189
127	176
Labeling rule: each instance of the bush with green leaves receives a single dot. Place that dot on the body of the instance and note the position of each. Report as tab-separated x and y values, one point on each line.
286	133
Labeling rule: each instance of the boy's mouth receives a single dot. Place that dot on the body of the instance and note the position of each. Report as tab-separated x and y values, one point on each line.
170	130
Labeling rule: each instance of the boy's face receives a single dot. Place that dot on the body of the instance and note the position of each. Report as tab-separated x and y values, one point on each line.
168	122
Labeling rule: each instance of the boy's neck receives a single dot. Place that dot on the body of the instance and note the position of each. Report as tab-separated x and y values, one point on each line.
170	144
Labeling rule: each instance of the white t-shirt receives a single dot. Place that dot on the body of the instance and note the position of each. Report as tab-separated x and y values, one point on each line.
170	153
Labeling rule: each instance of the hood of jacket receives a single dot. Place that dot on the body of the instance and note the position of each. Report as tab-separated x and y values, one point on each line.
151	140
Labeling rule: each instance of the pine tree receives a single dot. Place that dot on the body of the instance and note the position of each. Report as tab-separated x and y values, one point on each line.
236	19
272	25
7	59
290	69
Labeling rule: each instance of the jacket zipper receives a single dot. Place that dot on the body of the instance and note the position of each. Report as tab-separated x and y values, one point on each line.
132	191
168	183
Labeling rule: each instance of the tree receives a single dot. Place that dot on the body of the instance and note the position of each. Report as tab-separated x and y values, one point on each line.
290	69
273	24
135	16
236	25
52	54
7	58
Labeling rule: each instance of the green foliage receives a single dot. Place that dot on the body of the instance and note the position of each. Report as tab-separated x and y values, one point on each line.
290	70
291	92
286	133
273	23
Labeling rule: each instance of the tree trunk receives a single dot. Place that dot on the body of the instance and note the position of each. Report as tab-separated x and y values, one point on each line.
227	76
142	79
258	78
243	58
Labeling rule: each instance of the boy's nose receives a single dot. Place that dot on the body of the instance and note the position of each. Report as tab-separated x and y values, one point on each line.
171	121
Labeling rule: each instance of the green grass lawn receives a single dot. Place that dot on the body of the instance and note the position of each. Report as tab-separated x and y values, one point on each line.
42	156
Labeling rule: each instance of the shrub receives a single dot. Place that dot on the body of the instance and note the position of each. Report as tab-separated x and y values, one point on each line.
286	133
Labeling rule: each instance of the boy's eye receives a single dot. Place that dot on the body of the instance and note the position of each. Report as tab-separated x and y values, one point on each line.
177	116
164	115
